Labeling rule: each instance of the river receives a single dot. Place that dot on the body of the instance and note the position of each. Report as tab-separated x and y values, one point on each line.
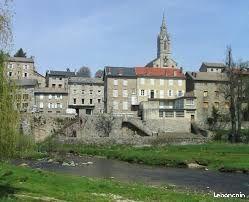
193	179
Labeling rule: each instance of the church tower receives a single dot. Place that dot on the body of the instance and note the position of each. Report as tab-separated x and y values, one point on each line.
163	45
163	59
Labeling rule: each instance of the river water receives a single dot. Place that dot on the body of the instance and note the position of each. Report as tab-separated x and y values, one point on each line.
194	179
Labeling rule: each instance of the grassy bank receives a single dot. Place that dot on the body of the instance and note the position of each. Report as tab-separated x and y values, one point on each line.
213	155
25	184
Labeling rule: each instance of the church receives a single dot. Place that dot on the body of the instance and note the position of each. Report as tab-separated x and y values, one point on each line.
163	59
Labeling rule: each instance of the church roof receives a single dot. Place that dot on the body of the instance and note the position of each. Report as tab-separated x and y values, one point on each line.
159	72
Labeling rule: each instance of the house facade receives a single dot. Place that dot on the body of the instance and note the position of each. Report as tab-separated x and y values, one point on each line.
86	95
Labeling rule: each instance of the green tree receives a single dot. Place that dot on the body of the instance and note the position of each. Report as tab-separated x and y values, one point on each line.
20	53
9	119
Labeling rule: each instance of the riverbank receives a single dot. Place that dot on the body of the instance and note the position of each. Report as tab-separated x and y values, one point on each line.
218	156
25	184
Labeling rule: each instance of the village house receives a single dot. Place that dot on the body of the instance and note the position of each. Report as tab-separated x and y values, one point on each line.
207	85
86	95
120	92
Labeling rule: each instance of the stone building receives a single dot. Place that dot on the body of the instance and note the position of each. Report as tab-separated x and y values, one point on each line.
207	87
212	67
25	101
86	95
120	88
58	79
23	68
163	58
51	101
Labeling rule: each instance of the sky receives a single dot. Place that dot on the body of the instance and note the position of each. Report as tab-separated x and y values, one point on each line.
95	33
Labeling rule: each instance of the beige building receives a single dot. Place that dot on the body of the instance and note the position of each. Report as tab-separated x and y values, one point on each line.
163	83
158	109
86	95
120	96
51	101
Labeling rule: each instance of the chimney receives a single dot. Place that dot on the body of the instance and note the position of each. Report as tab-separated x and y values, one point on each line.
180	69
109	71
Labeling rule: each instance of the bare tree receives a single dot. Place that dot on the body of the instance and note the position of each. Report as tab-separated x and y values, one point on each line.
236	91
105	124
85	71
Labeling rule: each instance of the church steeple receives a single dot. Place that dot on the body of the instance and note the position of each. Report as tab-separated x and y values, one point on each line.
163	44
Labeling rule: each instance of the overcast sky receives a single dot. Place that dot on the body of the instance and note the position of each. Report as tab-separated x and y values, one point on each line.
96	33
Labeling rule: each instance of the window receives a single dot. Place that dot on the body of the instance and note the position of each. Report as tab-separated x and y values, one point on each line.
61	97
9	73
25	96
25	66
161	93
216	105
125	105
227	105
189	102
115	93
25	105
10	66
53	85
142	92
18	97
50	97
141	80
161	82
41	105
216	93
74	101
125	82
160	113
115	105
52	104
152	81
61	105
55	105
60	78
212	69
115	82
205	93
170	82
91	101
169	114
133	91
99	91
25	74
41	97
89	111
124	93
60	85
83	91
49	105
170	93
74	91
99	100
55	97
82	101
91	92
180	93
205	105
179	82
179	113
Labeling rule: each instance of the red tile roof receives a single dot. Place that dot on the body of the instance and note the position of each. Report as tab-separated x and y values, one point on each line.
159	72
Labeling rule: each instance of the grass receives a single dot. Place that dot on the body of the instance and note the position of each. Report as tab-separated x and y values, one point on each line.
212	155
25	184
